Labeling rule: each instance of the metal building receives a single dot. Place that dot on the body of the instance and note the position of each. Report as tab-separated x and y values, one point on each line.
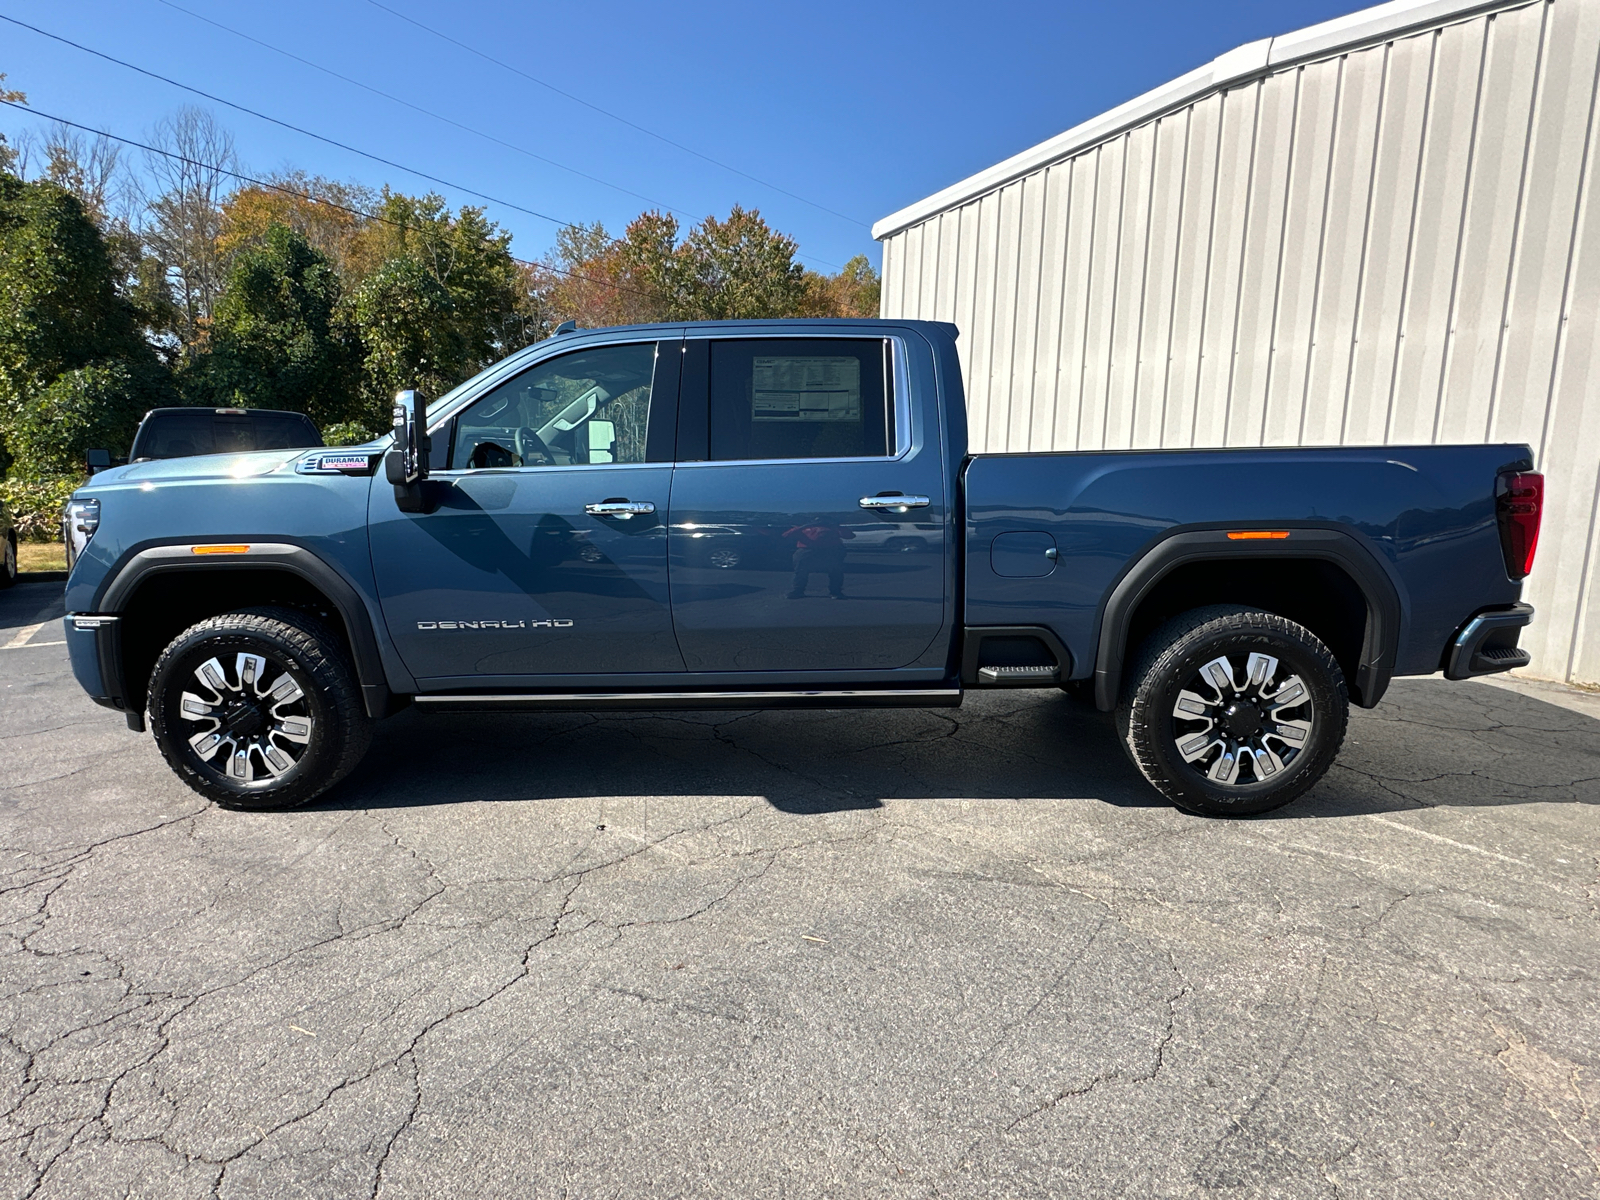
1378	230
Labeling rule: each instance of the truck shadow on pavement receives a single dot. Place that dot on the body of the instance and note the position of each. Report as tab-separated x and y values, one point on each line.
1429	743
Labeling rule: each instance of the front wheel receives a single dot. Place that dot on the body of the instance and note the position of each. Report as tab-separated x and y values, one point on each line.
258	709
1232	711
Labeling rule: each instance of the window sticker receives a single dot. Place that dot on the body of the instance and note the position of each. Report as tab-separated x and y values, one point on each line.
806	389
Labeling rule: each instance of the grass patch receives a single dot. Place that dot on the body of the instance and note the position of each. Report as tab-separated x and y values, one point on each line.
41	556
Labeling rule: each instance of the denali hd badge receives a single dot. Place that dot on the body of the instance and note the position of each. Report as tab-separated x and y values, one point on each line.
554	623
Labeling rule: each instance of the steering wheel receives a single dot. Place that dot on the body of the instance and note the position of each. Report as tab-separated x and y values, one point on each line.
532	450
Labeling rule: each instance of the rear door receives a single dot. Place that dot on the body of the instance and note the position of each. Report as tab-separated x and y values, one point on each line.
546	550
808	525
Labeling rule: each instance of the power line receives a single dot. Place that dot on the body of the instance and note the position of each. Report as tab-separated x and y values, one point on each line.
308	196
418	108
614	116
333	142
388	162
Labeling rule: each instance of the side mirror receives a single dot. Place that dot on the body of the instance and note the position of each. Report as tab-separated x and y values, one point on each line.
406	463
97	460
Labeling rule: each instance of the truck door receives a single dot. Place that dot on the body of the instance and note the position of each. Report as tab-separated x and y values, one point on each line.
807	524
546	550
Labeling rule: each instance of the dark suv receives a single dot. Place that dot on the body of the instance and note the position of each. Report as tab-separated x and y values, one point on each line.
181	432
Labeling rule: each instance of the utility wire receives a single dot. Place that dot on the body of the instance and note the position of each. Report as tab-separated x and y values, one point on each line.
333	142
489	137
307	196
614	116
388	162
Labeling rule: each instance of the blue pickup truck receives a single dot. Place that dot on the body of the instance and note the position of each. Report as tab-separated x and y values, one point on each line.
777	515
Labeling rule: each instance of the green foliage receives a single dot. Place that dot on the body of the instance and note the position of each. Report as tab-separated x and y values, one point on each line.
283	297
346	433
722	270
74	368
447	301
96	405
278	338
409	328
35	505
739	269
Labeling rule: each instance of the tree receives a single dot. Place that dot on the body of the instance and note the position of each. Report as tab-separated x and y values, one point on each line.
443	300
93	171
184	221
278	337
723	269
595	279
739	269
326	213
60	314
853	292
409	330
97	405
8	153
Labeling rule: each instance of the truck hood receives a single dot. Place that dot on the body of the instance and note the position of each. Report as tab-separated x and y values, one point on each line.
200	466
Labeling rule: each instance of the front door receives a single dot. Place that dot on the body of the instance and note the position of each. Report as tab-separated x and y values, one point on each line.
546	550
811	536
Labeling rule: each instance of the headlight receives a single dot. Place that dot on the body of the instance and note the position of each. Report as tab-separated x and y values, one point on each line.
78	523
83	516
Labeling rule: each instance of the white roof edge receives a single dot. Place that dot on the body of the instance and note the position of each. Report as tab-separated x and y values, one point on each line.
1253	58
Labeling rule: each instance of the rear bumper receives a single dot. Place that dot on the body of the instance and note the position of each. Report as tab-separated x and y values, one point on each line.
1487	644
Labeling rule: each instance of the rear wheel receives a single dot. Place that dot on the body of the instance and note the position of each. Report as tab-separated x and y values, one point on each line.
8	561
258	709
1232	711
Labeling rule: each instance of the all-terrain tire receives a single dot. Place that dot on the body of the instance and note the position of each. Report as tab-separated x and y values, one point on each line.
1280	746
8	560
297	738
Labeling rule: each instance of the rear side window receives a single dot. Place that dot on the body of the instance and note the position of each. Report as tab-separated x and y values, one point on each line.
798	398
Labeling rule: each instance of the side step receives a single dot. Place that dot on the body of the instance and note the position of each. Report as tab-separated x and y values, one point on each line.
1018	676
647	701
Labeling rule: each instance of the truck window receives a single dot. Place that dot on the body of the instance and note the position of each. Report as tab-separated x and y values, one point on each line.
587	408
798	398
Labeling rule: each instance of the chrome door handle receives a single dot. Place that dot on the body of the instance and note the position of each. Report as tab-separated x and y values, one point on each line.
622	509
897	504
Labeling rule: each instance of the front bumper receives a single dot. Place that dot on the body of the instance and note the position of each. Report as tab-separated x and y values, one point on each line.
94	646
1487	644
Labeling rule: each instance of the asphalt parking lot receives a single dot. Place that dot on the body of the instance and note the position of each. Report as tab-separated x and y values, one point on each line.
910	954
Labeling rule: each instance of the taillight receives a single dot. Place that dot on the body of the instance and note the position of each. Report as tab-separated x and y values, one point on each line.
1519	503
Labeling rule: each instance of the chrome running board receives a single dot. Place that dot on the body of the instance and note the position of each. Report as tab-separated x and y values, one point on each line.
645	701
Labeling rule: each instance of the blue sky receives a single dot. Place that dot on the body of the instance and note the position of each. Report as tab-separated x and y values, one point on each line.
845	111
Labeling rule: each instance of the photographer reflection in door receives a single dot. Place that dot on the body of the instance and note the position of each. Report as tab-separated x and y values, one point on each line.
818	547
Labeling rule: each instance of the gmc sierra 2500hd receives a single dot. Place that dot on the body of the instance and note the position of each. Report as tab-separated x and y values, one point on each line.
781	514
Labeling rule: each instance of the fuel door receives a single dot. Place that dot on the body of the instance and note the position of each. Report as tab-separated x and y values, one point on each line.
1023	555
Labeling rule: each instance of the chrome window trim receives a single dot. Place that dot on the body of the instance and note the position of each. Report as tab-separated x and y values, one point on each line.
505	377
453	473
493	376
907	440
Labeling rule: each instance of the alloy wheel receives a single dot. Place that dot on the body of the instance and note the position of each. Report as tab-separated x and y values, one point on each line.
251	725
1238	731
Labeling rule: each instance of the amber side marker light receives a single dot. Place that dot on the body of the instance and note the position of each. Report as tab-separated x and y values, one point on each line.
219	549
1254	535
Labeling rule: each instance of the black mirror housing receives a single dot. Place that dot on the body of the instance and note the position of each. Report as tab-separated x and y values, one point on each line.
96	461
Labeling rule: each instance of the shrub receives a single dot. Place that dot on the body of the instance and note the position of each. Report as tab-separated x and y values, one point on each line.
96	405
35	505
347	433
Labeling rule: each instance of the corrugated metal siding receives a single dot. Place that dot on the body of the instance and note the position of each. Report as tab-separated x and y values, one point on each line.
1394	244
